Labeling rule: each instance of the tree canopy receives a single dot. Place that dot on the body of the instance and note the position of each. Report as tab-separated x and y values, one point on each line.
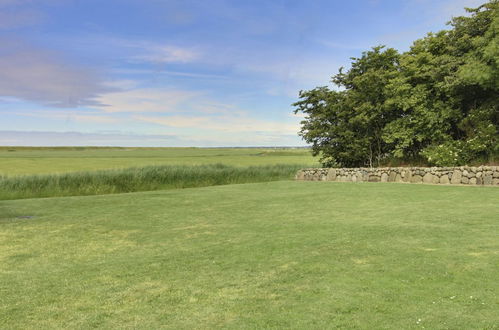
439	101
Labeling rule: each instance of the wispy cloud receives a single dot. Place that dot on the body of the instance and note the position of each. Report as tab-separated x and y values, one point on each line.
288	77
70	116
156	72
16	14
34	74
207	106
16	18
223	123
178	109
188	109
166	54
46	138
155	52
6	3
125	139
145	100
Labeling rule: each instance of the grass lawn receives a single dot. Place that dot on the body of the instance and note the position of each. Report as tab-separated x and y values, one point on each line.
33	160
265	255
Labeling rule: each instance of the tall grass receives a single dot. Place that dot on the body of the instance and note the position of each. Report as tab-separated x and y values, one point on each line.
138	179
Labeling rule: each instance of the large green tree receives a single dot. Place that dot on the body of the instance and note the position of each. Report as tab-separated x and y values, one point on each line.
447	92
439	100
345	126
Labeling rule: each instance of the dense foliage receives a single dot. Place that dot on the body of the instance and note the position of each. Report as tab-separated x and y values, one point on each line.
439	101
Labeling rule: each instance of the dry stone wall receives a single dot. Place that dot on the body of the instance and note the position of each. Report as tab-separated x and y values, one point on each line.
482	175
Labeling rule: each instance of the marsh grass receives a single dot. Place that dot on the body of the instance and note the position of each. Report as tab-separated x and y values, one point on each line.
33	160
138	179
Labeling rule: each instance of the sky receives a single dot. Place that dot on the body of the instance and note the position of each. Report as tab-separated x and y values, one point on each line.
171	73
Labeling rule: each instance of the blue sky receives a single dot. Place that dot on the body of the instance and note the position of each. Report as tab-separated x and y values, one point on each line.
184	73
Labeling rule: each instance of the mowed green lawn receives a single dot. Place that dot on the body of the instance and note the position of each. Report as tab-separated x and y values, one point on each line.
32	160
266	255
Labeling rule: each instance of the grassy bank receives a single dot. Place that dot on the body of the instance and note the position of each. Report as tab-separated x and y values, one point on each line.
276	255
138	179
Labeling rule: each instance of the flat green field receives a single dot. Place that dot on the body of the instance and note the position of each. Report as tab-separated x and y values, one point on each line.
31	160
266	255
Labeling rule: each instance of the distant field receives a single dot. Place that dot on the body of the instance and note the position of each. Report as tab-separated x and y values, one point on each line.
19	161
302	255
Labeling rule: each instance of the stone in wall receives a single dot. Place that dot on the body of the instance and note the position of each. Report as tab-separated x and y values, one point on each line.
331	174
392	176
416	178
444	179
428	178
487	179
456	177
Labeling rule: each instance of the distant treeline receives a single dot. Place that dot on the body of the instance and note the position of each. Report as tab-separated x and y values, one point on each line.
437	103
138	179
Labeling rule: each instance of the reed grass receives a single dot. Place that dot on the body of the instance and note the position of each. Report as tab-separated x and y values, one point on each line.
138	179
